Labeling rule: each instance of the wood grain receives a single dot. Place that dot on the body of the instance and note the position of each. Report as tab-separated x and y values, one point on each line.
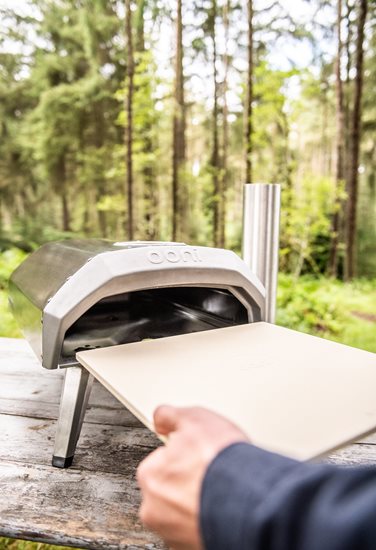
27	389
94	504
74	508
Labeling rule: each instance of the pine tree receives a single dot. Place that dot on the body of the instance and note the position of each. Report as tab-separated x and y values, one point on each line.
340	150
179	207
355	146
128	136
249	97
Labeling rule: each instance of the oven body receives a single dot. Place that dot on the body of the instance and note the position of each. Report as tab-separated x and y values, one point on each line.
83	294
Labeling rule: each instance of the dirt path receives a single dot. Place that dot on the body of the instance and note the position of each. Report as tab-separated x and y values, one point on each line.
365	316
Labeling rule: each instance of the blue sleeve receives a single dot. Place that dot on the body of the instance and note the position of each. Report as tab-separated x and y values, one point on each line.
255	500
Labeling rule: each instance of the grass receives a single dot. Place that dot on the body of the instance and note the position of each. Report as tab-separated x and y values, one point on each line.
344	312
11	544
8	326
358	302
9	260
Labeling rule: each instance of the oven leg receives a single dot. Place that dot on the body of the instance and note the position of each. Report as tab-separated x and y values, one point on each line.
74	399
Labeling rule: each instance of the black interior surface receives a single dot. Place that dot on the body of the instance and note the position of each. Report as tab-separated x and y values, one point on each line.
154	313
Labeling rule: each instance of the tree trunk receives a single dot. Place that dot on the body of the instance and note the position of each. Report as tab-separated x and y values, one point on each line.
60	177
150	209
340	150
129	119
324	141
140	33
355	146
224	173
349	10
178	138
347	116
99	178
65	208
249	99
215	143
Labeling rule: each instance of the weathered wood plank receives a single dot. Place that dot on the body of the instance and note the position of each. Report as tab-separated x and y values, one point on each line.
45	386
101	448
27	389
92	505
355	455
101	414
74	508
18	346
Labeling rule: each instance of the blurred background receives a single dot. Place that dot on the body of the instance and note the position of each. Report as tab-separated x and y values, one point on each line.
143	120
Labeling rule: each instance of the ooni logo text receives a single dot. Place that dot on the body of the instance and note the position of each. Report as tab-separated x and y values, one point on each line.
174	256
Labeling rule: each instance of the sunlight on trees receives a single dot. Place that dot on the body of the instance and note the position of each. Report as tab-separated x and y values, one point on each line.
143	120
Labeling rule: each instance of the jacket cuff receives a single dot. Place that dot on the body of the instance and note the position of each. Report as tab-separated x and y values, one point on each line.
239	478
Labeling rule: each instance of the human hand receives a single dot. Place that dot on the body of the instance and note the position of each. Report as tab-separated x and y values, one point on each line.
170	478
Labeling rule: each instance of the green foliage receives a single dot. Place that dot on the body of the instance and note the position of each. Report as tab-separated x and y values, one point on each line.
148	159
305	225
270	124
344	312
367	221
11	544
9	260
300	306
8	326
62	117
59	118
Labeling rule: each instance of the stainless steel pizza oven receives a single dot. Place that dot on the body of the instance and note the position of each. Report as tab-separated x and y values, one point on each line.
74	295
82	294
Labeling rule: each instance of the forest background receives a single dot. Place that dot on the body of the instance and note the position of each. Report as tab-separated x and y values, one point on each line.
143	120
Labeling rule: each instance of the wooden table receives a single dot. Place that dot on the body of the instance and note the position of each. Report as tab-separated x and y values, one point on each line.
94	503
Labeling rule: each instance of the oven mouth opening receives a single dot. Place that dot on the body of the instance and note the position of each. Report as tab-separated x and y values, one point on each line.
153	313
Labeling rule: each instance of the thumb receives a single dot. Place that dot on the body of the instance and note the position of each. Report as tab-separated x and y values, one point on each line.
166	419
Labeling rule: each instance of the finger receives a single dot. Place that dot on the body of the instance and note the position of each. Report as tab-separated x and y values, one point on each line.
166	419
149	466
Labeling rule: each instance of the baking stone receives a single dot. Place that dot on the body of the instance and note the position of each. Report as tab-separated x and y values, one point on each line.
292	393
